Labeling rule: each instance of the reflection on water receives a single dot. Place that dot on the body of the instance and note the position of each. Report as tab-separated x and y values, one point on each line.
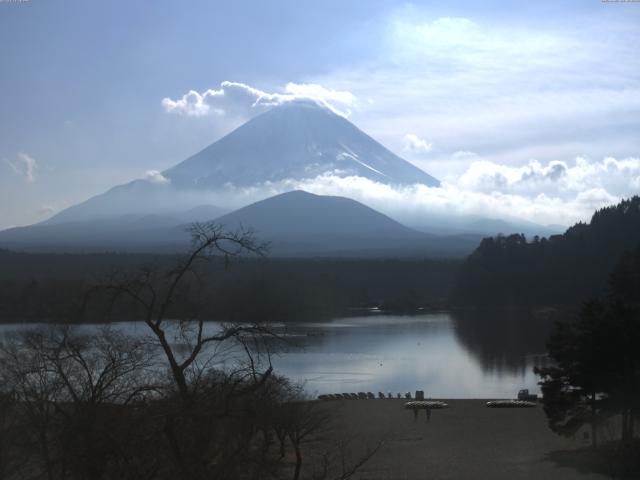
504	340
468	355
445	356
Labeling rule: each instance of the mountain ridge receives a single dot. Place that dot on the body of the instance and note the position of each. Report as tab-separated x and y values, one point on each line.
297	224
291	142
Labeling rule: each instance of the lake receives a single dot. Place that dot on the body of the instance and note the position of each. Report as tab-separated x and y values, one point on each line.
462	355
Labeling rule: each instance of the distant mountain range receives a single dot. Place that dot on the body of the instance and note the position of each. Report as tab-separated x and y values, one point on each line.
295	223
474	224
292	142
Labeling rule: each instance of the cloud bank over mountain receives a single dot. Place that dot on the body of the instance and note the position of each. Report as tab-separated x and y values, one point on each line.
410	204
552	192
248	101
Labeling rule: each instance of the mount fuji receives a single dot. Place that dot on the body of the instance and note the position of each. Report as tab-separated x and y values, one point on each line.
295	141
273	152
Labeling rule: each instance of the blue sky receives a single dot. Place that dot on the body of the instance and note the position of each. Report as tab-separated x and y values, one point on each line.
529	108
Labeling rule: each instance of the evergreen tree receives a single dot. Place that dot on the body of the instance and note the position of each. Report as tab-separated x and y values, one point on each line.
596	360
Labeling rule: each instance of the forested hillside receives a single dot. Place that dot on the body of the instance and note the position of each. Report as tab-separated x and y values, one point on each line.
563	269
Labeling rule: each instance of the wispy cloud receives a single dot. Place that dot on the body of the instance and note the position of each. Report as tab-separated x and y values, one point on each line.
508	91
239	97
415	144
154	176
617	177
24	165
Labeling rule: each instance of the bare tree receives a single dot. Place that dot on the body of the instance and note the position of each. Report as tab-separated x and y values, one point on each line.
67	389
11	459
156	292
208	431
102	406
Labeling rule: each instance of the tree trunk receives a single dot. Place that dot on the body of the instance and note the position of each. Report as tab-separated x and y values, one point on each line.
176	371
281	439
594	431
296	474
46	456
627	426
175	447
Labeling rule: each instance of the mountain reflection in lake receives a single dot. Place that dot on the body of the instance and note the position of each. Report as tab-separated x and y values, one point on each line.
461	355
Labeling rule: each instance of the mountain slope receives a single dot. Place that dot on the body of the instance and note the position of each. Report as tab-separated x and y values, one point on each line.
295	141
132	231
300	214
302	224
296	224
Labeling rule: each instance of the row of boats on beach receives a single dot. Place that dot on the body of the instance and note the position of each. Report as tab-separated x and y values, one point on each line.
362	396
418	402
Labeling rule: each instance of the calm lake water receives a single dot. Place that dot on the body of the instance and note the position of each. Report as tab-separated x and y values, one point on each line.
447	355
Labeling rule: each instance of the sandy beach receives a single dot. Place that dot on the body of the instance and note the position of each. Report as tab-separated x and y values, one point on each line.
465	441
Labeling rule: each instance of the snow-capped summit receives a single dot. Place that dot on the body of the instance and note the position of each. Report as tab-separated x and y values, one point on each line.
297	140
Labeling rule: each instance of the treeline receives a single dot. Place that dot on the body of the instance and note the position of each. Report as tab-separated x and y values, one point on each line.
52	287
561	270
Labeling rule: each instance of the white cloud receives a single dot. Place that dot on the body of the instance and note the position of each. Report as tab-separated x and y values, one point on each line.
192	104
25	166
410	204
553	193
557	178
415	144
510	91
154	176
238	97
413	204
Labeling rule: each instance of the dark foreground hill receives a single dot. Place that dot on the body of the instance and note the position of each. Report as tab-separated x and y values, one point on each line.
296	224
564	269
302	224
